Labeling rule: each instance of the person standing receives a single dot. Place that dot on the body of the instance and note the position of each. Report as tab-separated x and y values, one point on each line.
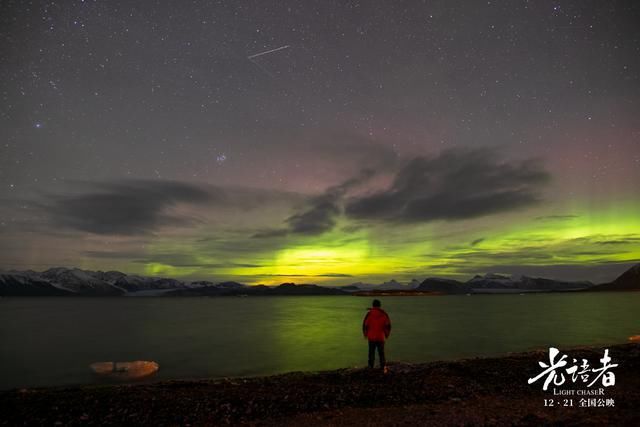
376	328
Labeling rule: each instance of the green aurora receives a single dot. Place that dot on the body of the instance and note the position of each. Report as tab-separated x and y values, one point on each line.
583	239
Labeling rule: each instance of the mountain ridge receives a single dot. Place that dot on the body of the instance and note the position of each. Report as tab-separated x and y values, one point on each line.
63	281
627	281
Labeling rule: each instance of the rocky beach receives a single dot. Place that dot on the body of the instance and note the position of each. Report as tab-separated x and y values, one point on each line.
481	391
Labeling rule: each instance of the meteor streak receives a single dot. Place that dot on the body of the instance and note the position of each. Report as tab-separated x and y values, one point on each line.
267	52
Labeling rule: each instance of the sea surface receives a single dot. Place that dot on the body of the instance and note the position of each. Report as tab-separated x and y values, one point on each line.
52	341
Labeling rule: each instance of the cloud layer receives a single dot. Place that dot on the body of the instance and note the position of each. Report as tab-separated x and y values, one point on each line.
458	184
321	212
128	207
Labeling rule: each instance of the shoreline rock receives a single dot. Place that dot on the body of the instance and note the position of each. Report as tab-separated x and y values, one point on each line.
470	391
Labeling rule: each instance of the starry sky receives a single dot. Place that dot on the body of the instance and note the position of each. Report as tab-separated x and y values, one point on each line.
321	141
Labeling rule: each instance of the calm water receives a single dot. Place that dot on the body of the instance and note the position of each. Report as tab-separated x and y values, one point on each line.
51	341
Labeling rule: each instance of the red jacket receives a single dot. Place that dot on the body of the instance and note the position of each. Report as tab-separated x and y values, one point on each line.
376	325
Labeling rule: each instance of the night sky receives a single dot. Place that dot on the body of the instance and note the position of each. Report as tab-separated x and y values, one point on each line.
321	141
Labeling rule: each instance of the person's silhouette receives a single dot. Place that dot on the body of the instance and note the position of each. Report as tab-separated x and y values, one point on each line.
376	327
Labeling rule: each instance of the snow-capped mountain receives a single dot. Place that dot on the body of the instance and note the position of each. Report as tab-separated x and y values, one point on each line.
386	286
16	284
63	281
79	281
445	286
75	281
134	283
496	282
492	281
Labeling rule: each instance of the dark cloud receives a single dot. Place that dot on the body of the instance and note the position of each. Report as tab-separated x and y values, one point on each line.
631	239
137	207
309	275
321	215
178	259
321	212
485	256
458	184
627	241
247	265
352	228
195	264
317	219
597	253
477	241
336	275
128	207
556	217
267	234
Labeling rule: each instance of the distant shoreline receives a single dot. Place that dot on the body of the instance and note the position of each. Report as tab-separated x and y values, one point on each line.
473	391
74	282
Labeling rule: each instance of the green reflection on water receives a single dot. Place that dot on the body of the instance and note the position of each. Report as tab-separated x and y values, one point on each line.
199	337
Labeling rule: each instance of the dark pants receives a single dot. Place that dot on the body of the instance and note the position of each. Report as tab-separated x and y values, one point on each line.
372	353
